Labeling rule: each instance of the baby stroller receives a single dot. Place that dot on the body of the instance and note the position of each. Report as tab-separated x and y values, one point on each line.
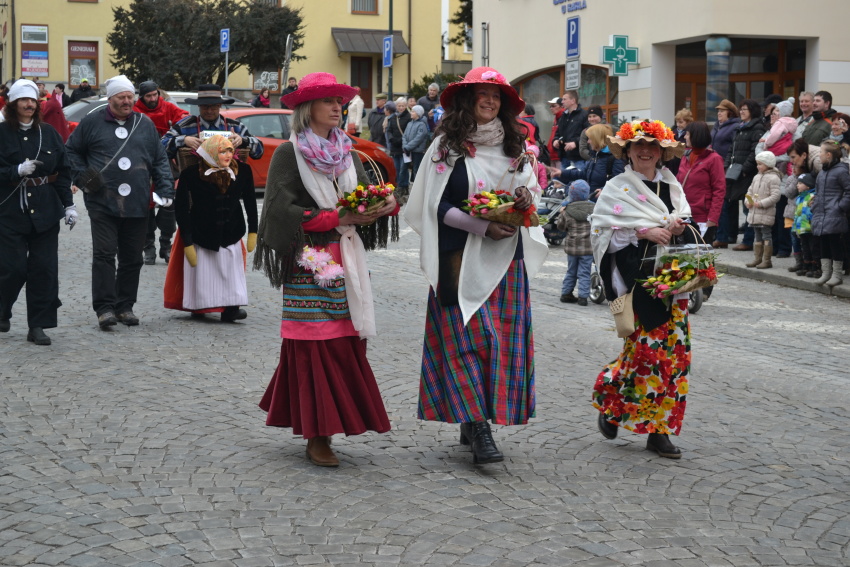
551	204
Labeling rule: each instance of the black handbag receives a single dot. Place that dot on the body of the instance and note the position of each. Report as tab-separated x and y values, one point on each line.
733	173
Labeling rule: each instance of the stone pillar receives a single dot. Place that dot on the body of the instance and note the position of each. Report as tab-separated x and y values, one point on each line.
717	74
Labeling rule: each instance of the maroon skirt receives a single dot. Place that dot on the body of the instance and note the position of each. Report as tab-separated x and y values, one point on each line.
321	388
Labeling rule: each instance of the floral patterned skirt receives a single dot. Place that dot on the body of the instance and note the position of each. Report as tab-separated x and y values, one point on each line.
645	389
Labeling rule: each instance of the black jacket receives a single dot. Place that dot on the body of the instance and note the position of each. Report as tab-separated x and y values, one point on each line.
45	204
743	151
210	219
82	92
570	127
395	128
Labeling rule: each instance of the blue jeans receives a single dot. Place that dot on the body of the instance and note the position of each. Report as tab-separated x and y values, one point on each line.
578	268
401	175
749	233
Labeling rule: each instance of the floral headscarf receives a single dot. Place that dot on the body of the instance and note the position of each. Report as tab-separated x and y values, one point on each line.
210	166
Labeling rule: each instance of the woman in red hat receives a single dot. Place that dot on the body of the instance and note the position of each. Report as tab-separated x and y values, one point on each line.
478	357
323	384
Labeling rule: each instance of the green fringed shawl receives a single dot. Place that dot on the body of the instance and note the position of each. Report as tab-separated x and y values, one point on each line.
287	205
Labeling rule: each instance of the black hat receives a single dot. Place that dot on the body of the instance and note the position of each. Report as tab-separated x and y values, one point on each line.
806	179
209	94
147	87
597	110
772	99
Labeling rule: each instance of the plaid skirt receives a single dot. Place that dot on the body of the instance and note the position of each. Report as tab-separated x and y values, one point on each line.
645	389
484	370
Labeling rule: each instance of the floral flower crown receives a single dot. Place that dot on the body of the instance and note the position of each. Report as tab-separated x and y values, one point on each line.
645	129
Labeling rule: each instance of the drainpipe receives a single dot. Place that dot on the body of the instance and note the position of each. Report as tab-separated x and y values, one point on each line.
12	40
410	44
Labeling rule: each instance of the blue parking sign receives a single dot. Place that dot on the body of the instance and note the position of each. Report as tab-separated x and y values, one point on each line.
573	37
224	40
388	51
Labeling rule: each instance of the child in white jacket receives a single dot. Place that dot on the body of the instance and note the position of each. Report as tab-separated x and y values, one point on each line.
762	196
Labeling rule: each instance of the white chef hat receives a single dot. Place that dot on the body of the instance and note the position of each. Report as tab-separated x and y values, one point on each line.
119	84
23	88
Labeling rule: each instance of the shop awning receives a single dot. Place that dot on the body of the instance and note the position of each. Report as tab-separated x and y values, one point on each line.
353	40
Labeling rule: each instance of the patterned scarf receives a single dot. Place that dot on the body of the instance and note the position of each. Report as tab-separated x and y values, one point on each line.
490	134
329	156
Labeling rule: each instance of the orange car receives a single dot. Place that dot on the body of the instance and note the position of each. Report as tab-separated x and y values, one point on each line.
271	125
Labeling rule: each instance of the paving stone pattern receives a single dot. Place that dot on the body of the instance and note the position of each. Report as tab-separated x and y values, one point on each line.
144	446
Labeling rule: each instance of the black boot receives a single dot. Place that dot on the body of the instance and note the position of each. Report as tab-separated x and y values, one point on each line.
5	325
660	443
36	335
478	435
799	264
233	313
608	429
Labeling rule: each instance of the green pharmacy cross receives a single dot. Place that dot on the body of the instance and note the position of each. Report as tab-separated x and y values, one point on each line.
619	55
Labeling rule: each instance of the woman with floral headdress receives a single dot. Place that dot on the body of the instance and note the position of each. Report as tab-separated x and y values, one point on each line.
316	252
478	357
206	273
644	390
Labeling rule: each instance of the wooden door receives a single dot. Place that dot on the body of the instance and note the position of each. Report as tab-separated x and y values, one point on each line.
361	76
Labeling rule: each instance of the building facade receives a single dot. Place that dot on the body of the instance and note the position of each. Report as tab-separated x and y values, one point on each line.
65	41
688	53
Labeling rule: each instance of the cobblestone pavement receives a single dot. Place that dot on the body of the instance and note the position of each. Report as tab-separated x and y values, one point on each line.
145	446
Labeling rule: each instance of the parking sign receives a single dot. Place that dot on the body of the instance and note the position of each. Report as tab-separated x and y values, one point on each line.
573	37
388	51
224	40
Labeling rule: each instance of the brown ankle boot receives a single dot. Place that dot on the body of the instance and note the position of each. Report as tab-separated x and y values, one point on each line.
319	452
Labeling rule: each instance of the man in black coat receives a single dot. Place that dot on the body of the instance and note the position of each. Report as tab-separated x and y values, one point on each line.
291	87
83	91
570	126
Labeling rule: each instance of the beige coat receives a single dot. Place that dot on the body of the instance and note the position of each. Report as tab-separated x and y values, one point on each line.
765	190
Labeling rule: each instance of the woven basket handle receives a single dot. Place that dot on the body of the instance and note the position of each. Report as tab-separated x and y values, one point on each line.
373	163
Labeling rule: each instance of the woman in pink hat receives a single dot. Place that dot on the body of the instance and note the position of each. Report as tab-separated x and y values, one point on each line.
478	357
323	384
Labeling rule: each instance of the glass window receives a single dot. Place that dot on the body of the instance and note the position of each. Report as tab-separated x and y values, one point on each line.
594	87
795	55
266	125
364	6
536	92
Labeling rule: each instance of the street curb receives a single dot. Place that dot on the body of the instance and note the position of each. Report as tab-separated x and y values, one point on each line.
807	284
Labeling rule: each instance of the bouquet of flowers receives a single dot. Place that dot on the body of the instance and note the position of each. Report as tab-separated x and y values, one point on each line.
365	199
498	206
321	263
678	272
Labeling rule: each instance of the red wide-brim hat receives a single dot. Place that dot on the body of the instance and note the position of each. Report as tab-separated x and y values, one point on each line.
484	76
316	86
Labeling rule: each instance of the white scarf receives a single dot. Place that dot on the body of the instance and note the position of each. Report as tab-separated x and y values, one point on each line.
212	169
358	287
627	203
485	261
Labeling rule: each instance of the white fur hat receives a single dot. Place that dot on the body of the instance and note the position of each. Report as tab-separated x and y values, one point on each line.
119	84
23	88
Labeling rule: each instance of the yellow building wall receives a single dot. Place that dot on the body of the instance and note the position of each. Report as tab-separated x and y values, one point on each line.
65	21
418	20
456	52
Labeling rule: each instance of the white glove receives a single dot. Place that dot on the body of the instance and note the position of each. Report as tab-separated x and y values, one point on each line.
26	168
166	202
71	215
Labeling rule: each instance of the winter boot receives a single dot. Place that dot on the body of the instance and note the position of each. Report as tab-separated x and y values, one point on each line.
766	258
837	274
814	269
758	248
798	263
826	271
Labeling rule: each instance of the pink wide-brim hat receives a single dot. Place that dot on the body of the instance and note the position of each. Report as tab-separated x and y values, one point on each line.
484	76
318	85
